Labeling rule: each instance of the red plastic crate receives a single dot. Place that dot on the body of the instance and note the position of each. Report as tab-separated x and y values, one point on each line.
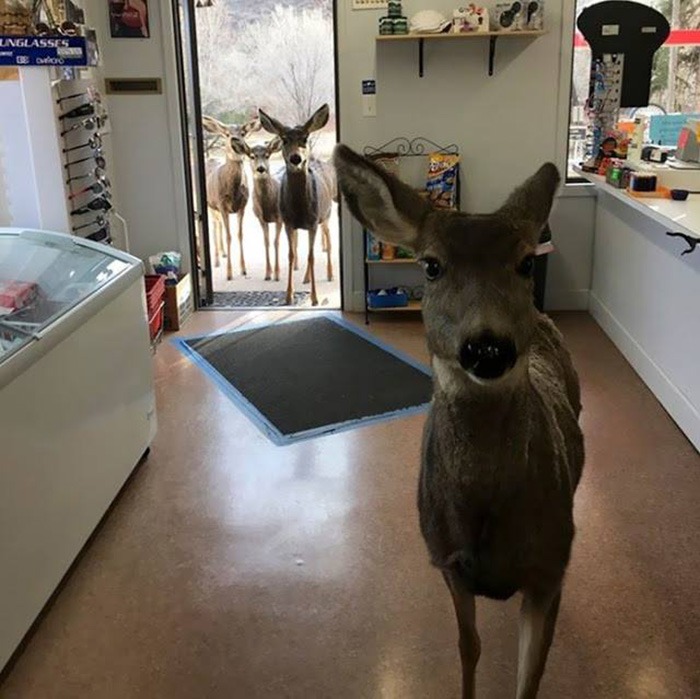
155	323
155	293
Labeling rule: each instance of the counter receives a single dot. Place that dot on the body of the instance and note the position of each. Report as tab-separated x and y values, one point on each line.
644	293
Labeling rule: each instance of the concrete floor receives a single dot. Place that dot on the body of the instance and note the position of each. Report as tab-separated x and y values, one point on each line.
231	568
254	250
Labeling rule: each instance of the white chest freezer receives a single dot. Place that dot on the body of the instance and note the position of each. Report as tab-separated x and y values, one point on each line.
77	407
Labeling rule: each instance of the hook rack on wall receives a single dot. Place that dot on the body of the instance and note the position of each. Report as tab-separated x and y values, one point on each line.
692	242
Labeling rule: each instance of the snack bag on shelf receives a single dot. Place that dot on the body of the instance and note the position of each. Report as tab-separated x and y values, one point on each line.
441	184
374	247
388	251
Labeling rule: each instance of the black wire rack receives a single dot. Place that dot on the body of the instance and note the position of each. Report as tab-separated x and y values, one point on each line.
403	147
413	147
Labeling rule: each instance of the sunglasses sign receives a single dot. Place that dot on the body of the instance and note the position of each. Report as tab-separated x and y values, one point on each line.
43	51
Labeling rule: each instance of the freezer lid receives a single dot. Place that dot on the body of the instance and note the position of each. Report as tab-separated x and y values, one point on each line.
43	275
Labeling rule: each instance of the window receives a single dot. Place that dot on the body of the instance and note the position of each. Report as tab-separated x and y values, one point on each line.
675	83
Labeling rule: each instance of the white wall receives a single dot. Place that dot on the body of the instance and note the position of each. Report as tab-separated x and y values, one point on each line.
505	125
569	270
32	192
145	137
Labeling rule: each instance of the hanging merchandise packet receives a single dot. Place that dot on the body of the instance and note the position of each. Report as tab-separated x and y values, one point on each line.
441	184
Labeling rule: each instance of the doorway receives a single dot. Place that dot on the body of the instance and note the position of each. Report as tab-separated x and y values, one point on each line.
235	57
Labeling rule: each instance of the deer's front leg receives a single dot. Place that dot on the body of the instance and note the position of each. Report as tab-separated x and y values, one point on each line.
469	641
215	231
310	271
220	234
327	237
278	231
241	214
538	617
296	250
291	237
229	266
266	236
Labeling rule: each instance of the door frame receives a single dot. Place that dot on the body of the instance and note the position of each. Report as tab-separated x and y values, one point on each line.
203	300
202	297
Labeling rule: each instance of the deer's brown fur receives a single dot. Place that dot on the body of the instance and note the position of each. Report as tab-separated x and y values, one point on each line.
227	188
307	191
266	195
501	457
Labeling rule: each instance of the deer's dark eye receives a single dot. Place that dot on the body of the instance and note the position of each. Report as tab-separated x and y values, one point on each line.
527	266
432	267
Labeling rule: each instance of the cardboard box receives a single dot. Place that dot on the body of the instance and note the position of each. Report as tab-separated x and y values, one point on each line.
179	303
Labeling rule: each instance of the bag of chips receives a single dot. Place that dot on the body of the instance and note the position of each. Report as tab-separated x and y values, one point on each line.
441	184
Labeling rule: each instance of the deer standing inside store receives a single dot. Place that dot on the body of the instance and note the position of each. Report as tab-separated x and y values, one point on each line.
502	447
266	192
227	188
307	192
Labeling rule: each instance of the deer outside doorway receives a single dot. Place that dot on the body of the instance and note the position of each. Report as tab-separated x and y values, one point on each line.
279	57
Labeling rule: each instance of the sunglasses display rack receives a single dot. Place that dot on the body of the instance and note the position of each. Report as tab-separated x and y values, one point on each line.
83	128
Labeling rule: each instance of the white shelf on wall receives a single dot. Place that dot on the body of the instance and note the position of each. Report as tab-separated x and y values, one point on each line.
491	36
396	261
412	306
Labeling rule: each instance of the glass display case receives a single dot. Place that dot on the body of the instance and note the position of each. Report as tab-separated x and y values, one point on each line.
42	277
77	406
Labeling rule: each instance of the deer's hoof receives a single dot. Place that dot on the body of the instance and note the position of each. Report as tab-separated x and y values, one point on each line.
330	277
268	277
314	302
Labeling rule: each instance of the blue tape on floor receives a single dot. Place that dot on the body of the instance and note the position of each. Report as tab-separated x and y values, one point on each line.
259	418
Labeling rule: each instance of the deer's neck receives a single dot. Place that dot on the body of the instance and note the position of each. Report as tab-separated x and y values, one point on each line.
299	183
487	418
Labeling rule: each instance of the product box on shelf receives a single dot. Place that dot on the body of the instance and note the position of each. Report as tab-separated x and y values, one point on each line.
471	18
179	302
508	17
534	15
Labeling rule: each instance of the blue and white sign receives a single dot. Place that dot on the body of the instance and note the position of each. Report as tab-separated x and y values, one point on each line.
43	51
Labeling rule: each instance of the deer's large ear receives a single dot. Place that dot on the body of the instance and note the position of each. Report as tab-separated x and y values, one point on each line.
251	126
318	119
213	125
391	209
269	124
532	201
274	145
239	146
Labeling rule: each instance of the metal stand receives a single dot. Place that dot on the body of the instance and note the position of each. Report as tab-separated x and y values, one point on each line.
403	147
492	53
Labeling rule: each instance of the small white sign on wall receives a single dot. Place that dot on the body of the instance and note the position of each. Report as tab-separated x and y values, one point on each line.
369	4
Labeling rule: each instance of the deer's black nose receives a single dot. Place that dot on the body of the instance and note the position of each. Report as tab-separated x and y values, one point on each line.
261	168
295	159
488	356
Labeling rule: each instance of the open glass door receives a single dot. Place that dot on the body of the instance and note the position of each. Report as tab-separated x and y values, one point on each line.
193	148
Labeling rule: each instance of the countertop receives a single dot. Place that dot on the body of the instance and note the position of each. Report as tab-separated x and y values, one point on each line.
681	216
